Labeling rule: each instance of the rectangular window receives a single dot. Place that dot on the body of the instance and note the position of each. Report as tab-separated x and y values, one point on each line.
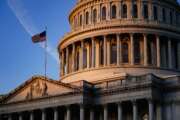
145	11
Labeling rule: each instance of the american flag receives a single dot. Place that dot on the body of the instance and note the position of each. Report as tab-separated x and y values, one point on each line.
39	37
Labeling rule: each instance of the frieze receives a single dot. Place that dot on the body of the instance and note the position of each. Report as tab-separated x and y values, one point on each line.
37	89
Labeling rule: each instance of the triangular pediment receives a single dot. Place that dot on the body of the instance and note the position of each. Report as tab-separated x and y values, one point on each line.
38	87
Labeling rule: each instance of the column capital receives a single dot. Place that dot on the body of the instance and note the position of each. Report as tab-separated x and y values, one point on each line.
119	102
55	108
134	101
131	34
145	34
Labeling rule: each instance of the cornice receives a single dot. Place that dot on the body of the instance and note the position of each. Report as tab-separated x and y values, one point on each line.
108	26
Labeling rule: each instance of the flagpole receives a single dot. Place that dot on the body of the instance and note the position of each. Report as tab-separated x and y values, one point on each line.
45	55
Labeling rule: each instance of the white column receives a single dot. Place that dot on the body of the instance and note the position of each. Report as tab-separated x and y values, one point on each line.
169	54
178	52
67	60
62	62
120	111
91	114
20	116
93	52
55	113
81	112
135	111
31	115
68	113
73	56
132	49
43	114
159	111
158	51
97	53
82	54
118	49
105	112
108	53
145	50
151	110
9	117
105	50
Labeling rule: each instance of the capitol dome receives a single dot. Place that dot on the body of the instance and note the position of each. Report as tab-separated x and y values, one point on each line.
114	38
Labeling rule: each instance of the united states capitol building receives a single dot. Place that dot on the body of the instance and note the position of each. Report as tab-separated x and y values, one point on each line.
120	61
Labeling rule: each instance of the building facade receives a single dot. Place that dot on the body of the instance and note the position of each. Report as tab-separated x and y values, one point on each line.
120	61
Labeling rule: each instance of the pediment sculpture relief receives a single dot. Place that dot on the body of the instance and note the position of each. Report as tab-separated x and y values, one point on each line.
37	89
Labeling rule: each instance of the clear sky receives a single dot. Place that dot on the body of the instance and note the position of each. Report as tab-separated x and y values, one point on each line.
20	59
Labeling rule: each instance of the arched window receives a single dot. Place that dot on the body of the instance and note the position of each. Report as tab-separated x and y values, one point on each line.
135	11
145	11
155	13
80	20
125	52
113	12
113	52
164	15
87	18
124	11
94	16
104	13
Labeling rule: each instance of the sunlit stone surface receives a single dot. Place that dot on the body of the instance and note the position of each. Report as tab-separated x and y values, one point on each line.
120	61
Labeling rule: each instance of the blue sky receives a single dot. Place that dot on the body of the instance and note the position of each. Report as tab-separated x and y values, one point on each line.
19	57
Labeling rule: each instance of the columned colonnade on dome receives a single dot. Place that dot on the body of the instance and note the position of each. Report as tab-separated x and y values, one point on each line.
122	50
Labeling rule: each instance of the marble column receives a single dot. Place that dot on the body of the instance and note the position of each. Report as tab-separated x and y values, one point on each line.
132	48
158	51
118	49
178	55
151	110
73	56
159	111
105	112
93	52
43	114
169	54
31	115
68	113
63	72
88	56
135	111
105	50
120	117
67	60
108	53
20	116
9	117
55	113
97	53
91	114
145	50
82	55
81	112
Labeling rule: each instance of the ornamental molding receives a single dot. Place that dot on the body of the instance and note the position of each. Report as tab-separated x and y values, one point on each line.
121	28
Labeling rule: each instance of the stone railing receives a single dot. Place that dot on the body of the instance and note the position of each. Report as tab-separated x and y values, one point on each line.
123	23
129	81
